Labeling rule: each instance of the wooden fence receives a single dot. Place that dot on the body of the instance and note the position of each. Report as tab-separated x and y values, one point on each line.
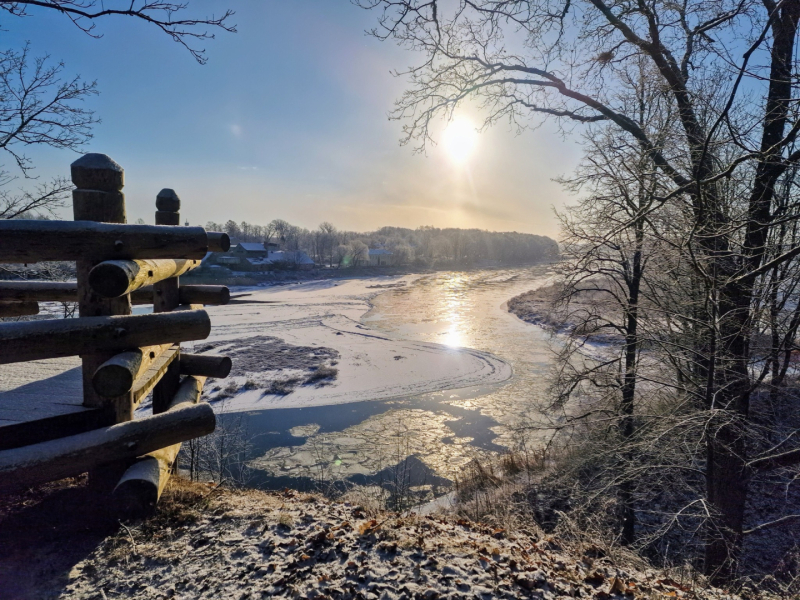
124	357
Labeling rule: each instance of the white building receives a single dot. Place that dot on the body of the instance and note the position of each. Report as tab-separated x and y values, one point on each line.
380	257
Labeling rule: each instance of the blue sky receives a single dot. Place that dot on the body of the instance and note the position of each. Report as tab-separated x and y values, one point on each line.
287	120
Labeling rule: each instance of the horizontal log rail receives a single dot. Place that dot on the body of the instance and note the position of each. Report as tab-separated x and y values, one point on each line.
117	375
206	366
115	278
184	307
73	455
53	338
214	295
44	429
30	241
141	485
67	291
18	308
39	291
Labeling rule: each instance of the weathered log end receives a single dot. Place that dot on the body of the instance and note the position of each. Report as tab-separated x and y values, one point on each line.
218	242
216	295
112	278
208	366
119	374
141	485
138	491
116	376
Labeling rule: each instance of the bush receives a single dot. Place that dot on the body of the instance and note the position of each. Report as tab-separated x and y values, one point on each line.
282	387
322	375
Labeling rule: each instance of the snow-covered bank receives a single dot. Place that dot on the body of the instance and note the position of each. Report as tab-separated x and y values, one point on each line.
250	544
371	365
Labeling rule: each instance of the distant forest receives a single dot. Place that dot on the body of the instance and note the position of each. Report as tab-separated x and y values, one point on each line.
424	246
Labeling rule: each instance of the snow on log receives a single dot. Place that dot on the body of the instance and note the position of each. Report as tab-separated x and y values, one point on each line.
73	455
29	241
141	485
114	278
208	366
18	309
53	338
117	375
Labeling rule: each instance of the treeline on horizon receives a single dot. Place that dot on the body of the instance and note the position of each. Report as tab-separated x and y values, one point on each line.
424	246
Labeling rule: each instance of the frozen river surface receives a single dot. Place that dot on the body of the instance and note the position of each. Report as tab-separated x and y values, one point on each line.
432	434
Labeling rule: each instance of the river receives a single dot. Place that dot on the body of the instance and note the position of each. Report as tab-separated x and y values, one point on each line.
429	437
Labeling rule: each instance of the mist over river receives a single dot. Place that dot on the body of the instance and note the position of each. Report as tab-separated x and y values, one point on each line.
432	435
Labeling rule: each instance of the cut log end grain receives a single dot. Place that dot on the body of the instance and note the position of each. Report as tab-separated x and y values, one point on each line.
112	380
107	279
141	485
209	366
218	242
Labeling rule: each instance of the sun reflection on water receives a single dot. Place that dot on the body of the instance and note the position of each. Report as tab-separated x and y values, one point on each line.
453	310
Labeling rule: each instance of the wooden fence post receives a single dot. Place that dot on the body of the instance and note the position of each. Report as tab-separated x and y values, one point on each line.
99	181
165	298
98	197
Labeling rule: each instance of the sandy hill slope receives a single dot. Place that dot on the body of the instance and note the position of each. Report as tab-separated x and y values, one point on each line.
248	544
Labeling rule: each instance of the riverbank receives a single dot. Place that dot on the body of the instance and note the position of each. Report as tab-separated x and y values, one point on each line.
207	542
280	276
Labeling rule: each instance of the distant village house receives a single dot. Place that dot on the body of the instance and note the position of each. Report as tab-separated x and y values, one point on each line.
255	256
380	257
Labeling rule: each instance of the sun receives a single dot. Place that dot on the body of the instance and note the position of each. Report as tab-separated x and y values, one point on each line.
459	140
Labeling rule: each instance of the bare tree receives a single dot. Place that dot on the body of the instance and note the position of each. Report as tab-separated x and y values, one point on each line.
328	240
38	107
729	70
360	252
608	247
166	16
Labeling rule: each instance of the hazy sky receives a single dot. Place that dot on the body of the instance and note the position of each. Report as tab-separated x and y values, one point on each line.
288	120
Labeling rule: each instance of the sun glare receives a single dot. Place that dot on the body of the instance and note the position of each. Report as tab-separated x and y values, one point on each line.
459	140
